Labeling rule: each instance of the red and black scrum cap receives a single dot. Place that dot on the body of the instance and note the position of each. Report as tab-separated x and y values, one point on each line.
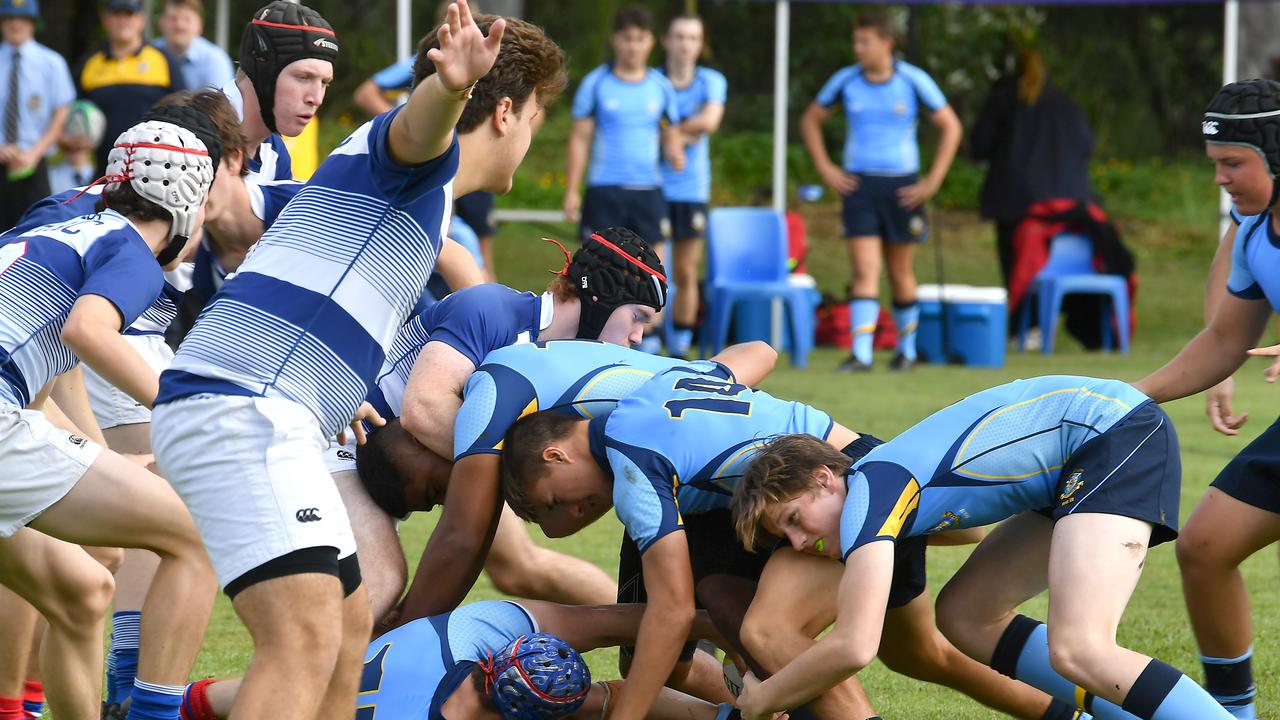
615	267
279	34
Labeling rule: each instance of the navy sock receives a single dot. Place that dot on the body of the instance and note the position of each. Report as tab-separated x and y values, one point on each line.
1230	682
123	667
1161	692
155	702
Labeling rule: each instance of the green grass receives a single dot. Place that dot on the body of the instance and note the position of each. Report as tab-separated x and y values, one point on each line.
1172	258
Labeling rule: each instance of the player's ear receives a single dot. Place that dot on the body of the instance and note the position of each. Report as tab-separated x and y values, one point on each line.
553	455
504	116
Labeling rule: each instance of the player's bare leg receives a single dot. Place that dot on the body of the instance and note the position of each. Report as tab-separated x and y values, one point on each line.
296	623
913	646
72	591
116	503
794	602
340	699
1219	535
518	566
17	633
382	561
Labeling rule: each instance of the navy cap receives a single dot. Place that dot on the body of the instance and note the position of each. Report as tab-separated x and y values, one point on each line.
129	6
20	8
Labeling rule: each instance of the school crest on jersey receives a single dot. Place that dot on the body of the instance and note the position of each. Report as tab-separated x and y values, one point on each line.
1070	488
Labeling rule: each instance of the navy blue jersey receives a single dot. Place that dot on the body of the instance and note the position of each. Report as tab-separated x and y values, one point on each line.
42	274
311	312
679	444
411	671
474	321
586	378
986	458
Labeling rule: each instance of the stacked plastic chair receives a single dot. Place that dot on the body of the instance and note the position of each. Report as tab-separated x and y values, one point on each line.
1068	271
747	261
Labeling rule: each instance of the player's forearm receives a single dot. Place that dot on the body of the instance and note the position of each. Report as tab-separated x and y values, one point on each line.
811	134
663	631
369	98
424	129
750	362
705	122
106	351
449	568
458	267
1206	361
1219	270
948	145
818	669
575	163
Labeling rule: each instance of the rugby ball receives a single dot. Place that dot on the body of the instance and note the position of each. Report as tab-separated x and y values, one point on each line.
86	121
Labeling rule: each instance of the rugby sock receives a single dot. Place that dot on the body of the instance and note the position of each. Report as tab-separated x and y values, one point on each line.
907	317
681	340
863	313
155	702
1161	692
1023	654
123	665
33	698
1230	682
11	709
195	701
1061	710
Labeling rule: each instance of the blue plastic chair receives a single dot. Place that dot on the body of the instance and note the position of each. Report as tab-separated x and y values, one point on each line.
1068	271
747	260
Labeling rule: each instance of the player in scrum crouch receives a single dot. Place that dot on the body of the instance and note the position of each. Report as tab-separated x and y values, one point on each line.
667	459
67	291
423	380
1239	514
492	659
325	291
1087	474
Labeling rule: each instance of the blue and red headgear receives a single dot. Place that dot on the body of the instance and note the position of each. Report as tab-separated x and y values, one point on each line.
536	677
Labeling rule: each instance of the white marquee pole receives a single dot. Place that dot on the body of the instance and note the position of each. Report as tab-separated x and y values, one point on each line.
1230	67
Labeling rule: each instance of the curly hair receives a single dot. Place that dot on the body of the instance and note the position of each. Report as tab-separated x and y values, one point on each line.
216	106
528	61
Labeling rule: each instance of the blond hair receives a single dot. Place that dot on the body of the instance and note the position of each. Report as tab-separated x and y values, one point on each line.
784	468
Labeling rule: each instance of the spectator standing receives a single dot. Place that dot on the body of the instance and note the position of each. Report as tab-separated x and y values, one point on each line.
618	111
35	94
882	99
202	64
1037	144
127	75
700	96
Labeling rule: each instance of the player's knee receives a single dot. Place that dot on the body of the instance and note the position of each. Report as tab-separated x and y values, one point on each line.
82	601
1198	550
1073	654
760	637
109	558
951	617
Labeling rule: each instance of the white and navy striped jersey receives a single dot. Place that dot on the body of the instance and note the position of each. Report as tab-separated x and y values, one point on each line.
44	271
309	315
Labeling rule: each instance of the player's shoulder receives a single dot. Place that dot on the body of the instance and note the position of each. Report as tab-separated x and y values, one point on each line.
597	74
710	77
1251	225
659	78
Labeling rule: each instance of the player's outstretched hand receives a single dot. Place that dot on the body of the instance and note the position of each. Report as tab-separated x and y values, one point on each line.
1271	351
364	413
1217	405
465	54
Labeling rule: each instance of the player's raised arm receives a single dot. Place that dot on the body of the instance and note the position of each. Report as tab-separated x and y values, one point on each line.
424	129
458	546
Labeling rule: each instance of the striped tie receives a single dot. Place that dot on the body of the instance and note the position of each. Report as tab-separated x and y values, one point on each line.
11	104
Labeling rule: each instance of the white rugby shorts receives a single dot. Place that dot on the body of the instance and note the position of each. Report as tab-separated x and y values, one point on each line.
41	464
252	472
341	458
113	406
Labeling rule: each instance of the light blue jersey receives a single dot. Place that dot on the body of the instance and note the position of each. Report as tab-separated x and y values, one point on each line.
881	118
475	321
411	671
44	272
586	378
628	115
679	444
693	184
310	314
1255	261
986	458
397	76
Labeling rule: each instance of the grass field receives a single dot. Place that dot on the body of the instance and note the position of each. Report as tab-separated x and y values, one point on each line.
1172	262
